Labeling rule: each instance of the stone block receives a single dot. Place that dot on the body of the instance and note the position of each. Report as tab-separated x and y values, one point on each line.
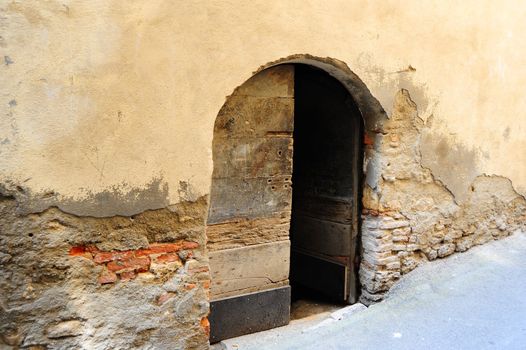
413	247
398	239
405	231
393	265
464	244
389	224
398	247
258	267
69	328
445	250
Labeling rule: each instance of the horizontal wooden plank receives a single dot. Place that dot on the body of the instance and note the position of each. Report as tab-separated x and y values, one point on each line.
244	232
262	266
321	236
335	209
234	198
253	157
249	313
246	116
322	185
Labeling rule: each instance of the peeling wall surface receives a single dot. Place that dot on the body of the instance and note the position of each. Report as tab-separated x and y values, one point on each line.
409	216
107	118
73	282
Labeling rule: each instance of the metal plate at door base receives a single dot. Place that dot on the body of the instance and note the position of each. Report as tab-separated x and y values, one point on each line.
249	313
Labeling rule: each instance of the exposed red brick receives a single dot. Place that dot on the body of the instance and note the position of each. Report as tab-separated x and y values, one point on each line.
159	248
190	245
205	324
128	263
76	251
166	258
165	247
107	277
103	257
140	264
92	249
128	275
199	269
206	284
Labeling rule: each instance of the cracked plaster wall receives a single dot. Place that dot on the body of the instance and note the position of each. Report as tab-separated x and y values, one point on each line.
410	215
108	109
72	282
107	96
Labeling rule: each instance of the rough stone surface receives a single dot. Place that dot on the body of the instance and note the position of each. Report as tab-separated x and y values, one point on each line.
69	328
61	273
76	282
410	217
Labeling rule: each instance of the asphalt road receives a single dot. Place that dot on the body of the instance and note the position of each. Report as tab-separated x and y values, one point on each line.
473	300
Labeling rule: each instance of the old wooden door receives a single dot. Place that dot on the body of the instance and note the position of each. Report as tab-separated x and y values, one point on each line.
249	218
250	204
327	139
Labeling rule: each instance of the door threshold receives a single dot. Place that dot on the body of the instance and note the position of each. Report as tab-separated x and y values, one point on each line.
294	329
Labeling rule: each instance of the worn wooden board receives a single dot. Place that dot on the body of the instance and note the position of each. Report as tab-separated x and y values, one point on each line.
325	182
247	116
321	236
233	198
259	266
253	157
249	313
321	184
335	209
244	232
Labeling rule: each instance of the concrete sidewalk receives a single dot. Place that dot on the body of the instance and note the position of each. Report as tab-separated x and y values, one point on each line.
473	300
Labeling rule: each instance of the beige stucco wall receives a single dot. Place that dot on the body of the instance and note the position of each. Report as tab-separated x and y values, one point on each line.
116	99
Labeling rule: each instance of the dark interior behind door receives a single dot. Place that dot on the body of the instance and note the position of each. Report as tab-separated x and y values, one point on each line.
324	226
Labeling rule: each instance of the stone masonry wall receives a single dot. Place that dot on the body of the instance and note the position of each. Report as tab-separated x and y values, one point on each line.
70	282
409	217
142	281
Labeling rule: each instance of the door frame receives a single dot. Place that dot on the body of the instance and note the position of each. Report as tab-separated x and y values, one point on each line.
373	116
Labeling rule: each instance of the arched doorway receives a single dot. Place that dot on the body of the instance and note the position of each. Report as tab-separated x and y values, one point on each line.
284	198
327	165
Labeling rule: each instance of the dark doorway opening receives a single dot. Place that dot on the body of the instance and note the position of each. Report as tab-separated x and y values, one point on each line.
325	197
284	201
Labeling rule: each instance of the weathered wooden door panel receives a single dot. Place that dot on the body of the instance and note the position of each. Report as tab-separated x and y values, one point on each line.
326	208
325	181
250	204
254	157
249	268
256	167
246	116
